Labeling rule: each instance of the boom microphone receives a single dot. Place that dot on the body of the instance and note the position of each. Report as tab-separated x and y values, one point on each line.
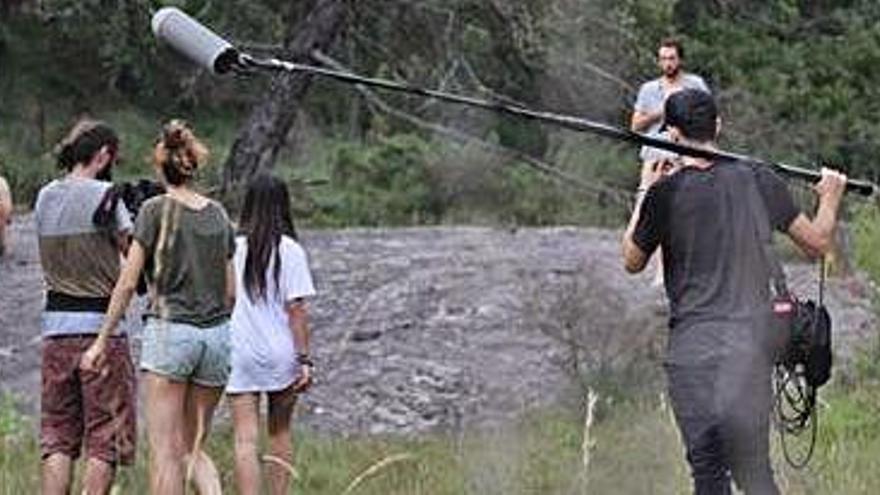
194	40
209	50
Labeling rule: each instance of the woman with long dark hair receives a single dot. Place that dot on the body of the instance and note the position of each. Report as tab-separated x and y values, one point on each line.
270	335
186	242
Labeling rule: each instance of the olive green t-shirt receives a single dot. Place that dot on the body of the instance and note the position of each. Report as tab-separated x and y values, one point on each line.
186	255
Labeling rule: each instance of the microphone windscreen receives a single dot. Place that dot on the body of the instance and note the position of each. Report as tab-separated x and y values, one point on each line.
198	43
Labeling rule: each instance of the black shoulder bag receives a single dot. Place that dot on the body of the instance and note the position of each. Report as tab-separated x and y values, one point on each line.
802	350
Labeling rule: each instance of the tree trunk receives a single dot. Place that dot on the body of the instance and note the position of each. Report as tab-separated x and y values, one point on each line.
259	139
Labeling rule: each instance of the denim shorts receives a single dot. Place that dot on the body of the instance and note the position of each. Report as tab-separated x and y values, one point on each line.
185	352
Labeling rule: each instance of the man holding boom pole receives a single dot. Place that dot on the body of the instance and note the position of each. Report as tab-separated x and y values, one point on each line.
708	217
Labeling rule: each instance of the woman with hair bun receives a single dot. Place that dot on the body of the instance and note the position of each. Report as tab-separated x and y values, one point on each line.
184	242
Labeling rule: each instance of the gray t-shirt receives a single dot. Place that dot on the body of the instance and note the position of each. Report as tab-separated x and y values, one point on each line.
716	272
80	261
187	251
651	98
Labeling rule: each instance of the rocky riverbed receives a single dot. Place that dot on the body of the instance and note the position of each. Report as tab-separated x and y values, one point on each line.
440	328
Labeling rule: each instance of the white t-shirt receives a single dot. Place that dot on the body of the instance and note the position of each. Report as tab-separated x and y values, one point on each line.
651	98
263	351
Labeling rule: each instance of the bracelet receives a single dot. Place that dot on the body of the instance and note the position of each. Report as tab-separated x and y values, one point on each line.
305	360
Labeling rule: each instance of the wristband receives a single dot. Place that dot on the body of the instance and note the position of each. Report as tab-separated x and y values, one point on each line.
305	360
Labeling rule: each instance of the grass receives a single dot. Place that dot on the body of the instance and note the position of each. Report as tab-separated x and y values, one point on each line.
866	234
636	451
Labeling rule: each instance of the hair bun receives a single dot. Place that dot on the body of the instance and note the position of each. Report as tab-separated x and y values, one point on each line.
178	152
176	134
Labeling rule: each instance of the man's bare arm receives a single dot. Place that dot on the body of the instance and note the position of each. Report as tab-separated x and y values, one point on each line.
634	259
815	237
641	121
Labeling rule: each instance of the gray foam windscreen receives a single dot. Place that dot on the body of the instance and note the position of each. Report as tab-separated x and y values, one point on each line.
189	37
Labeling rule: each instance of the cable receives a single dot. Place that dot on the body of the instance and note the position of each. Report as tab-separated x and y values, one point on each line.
795	395
793	392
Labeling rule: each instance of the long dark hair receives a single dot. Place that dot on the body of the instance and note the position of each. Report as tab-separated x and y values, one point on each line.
265	217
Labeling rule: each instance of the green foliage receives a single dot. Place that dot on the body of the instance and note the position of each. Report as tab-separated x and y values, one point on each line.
25	175
866	231
14	425
404	179
848	443
867	365
796	80
389	183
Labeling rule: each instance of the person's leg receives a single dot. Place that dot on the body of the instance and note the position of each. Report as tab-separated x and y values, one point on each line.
281	406
747	432
750	458
164	412
705	454
61	419
5	213
109	411
199	410
2	235
98	477
246	421
208	381
692	394
56	473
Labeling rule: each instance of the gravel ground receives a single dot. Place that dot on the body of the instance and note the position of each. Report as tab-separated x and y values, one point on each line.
431	329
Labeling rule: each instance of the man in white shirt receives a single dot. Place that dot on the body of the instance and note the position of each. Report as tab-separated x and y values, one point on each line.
648	110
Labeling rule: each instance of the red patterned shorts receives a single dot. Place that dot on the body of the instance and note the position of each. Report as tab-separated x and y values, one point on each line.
81	408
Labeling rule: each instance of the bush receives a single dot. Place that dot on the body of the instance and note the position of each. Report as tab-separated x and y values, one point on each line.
866	231
389	183
13	423
403	179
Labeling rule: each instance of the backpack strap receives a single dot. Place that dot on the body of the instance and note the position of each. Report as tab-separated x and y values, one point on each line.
758	208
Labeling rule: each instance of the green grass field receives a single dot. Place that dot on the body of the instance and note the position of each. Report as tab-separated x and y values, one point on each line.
635	451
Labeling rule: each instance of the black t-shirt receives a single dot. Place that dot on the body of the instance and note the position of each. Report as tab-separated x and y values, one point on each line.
714	260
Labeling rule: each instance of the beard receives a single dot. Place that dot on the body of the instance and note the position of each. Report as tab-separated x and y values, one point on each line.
106	174
672	72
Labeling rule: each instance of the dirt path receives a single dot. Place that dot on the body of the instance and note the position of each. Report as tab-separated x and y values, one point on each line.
427	328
